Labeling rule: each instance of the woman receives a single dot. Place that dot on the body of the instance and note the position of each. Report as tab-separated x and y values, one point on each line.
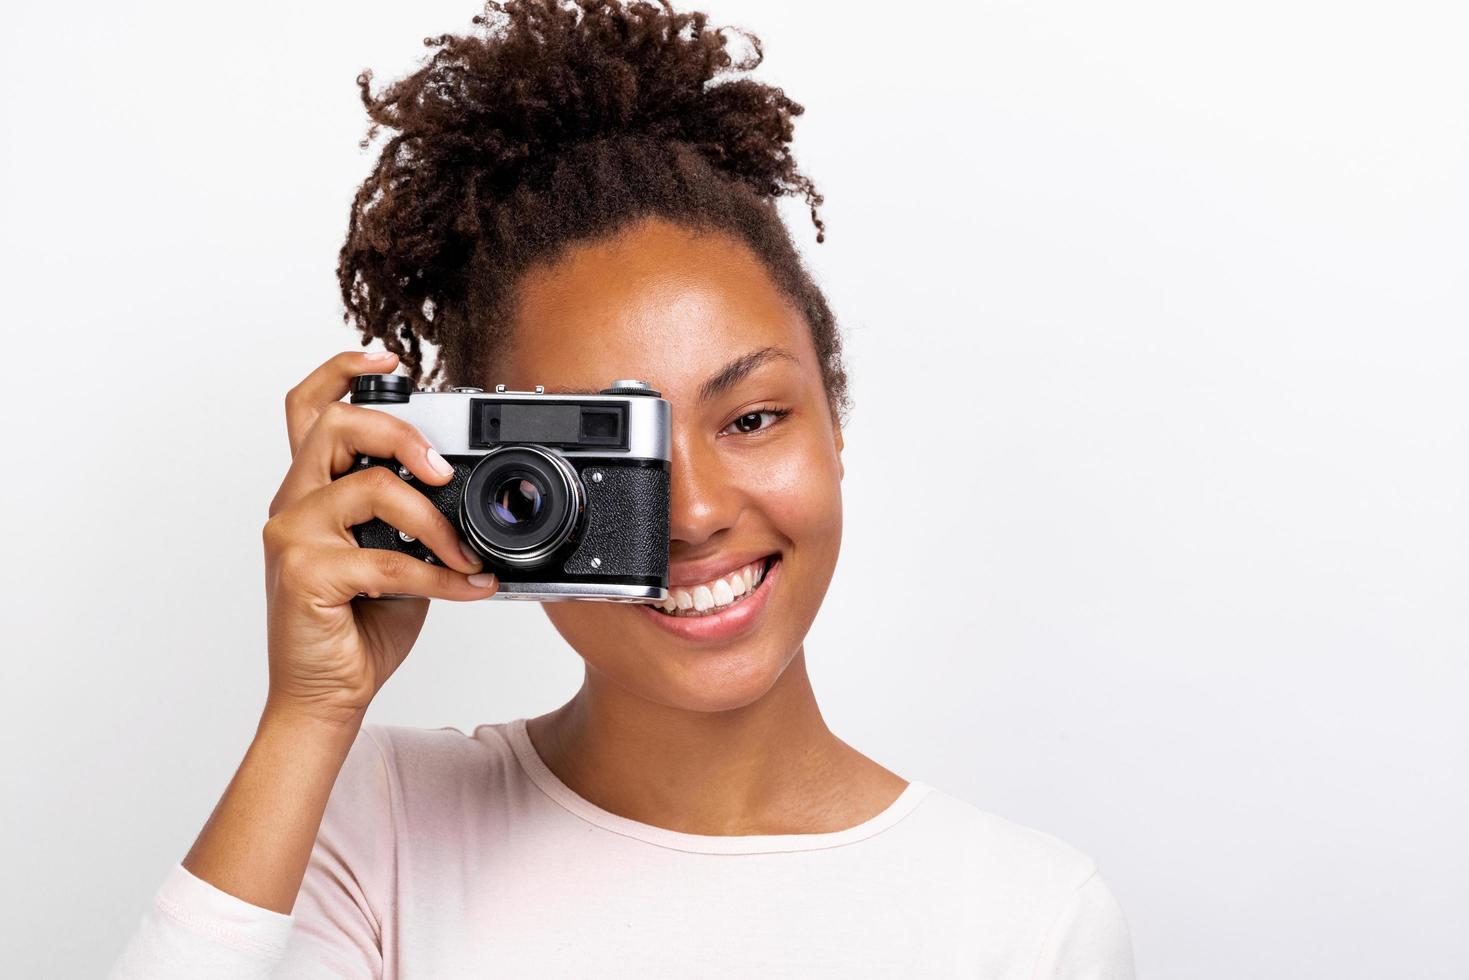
565	201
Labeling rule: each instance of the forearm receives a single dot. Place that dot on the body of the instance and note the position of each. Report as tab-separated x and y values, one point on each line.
257	842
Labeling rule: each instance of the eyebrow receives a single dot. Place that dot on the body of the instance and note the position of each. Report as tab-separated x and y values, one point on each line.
736	370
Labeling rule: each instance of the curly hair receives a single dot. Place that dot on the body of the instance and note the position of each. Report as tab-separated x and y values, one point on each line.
560	122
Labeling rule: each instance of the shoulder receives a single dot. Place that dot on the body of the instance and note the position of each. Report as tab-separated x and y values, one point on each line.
448	748
420	771
1000	848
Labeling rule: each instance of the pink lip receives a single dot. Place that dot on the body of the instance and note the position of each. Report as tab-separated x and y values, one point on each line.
738	618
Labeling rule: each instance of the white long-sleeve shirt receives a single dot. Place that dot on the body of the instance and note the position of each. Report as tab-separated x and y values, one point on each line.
443	855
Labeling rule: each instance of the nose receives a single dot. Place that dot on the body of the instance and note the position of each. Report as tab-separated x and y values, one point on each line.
703	500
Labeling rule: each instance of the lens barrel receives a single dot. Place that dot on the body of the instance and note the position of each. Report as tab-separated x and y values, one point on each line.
520	504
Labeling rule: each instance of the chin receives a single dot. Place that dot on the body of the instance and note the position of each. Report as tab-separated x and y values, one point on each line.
663	670
705	681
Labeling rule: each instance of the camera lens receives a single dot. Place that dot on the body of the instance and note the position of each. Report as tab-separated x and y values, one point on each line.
517	501
520	504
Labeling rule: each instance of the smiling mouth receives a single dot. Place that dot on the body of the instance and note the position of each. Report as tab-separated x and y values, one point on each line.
715	596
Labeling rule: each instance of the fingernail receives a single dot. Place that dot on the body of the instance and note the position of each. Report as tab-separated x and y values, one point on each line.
469	554
439	463
482	580
377	356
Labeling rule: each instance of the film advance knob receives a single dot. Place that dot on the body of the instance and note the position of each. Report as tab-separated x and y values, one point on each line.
631	387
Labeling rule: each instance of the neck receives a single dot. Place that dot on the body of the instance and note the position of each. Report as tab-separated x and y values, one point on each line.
771	766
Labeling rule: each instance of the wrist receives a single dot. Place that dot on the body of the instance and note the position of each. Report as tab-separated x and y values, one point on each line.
312	723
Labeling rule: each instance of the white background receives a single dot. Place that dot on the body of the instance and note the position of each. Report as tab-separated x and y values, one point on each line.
1157	309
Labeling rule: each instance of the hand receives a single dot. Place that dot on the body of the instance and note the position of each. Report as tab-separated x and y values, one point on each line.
331	650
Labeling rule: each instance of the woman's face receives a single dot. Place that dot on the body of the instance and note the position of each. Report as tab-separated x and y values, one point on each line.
756	469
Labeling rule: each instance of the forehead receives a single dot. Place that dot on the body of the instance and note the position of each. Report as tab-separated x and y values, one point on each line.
658	302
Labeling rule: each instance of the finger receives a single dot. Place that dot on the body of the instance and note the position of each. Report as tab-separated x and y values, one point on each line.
332	575
377	572
342	433
379	492
327	384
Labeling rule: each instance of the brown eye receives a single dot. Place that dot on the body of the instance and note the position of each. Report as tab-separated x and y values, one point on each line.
748	422
756	421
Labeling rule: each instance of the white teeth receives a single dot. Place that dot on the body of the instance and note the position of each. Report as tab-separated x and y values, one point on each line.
715	595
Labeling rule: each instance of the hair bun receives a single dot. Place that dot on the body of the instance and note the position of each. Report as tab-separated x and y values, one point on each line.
546	74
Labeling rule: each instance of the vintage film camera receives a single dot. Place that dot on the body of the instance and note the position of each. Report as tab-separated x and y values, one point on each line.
564	496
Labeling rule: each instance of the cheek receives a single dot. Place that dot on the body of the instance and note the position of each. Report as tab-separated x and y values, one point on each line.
583	624
798	495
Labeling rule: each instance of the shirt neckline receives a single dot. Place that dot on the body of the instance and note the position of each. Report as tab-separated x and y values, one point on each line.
550	784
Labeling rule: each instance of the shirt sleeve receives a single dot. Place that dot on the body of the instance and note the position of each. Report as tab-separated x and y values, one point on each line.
196	930
1088	939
